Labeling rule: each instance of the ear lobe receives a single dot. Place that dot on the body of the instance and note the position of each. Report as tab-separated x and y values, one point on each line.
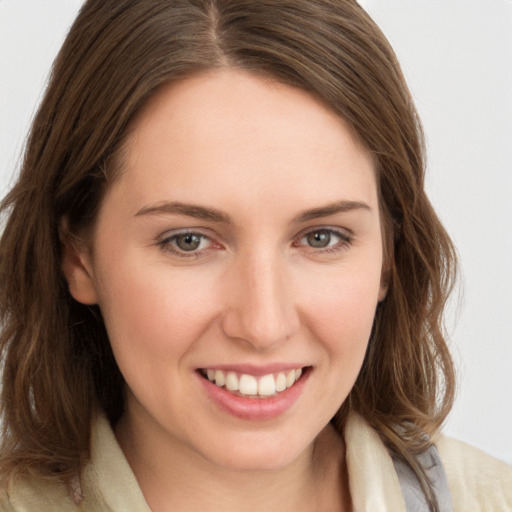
384	283
77	268
383	290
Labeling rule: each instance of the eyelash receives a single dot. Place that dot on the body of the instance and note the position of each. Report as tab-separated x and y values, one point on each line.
345	240
166	244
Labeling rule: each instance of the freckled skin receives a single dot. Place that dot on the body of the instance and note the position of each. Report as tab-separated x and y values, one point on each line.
257	290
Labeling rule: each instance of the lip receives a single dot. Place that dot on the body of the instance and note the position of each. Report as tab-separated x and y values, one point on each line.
255	409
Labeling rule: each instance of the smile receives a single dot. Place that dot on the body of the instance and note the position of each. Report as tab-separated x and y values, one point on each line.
250	386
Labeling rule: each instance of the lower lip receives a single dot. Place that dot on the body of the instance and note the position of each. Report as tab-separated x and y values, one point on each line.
255	409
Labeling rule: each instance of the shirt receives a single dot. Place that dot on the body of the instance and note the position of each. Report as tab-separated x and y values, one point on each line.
477	481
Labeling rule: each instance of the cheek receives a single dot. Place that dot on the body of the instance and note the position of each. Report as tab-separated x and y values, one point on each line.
341	315
154	319
346	302
153	313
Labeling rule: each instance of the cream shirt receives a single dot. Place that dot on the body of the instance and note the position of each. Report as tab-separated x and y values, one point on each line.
477	481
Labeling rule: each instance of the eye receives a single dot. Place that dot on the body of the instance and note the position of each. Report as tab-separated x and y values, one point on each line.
188	241
185	243
319	239
327	239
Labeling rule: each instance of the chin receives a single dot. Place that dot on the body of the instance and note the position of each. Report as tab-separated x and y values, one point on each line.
258	453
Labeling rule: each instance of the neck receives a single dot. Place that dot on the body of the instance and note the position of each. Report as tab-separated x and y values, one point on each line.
316	480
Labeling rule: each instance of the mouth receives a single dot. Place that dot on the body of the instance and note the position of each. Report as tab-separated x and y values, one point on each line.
252	386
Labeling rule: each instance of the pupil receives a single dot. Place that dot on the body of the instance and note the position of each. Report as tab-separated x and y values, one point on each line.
188	242
319	239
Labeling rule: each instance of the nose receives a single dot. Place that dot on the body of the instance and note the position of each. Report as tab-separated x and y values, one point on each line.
260	309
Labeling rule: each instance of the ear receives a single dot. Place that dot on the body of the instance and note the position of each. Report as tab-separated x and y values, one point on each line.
385	277
384	286
388	263
77	266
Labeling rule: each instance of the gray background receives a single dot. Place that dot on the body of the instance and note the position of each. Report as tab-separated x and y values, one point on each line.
457	57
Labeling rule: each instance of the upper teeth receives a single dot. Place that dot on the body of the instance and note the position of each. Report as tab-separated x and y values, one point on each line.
250	385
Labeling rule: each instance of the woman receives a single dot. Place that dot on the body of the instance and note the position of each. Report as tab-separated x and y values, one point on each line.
222	282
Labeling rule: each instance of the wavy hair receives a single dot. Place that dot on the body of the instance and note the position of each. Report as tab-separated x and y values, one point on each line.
58	367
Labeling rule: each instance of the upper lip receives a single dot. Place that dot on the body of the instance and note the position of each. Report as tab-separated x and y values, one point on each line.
256	370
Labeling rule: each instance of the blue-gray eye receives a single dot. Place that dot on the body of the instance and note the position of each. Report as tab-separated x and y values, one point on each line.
188	241
319	239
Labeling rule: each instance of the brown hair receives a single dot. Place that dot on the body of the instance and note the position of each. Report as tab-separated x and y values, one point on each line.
58	365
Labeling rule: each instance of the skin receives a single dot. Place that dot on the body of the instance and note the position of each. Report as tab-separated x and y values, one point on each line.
255	292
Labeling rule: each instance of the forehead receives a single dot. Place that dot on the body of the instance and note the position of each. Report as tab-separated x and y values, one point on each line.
257	135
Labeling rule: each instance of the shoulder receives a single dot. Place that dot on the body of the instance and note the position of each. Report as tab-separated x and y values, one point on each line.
106	483
477	480
36	495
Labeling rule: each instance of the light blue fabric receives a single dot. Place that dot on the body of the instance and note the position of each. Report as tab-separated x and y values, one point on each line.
414	497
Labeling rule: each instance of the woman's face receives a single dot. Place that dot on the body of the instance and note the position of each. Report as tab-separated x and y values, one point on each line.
240	245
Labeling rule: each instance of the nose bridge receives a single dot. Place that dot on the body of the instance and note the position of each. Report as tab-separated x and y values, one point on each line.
261	309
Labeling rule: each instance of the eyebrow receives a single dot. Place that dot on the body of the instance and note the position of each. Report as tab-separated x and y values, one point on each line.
214	215
190	210
331	209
